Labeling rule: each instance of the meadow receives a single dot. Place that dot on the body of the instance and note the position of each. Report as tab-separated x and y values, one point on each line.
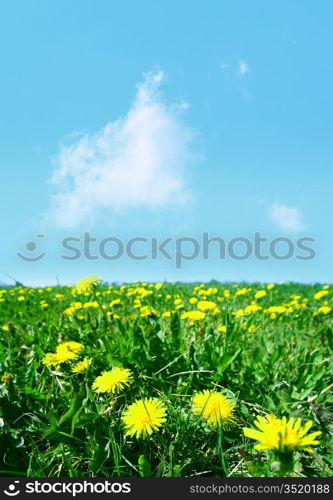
162	379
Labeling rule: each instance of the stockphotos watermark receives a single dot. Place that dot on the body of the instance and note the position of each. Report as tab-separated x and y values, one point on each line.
173	249
72	488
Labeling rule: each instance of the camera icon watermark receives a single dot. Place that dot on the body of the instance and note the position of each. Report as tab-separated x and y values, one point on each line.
12	491
31	246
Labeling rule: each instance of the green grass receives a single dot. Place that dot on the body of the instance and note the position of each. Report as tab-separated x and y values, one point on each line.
54	424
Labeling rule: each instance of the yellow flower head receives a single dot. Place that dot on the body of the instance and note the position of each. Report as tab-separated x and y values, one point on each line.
324	310
69	311
319	295
276	310
115	302
260	293
70	346
193	315
206	305
252	308
81	366
147	311
282	435
239	313
7	378
214	407
86	285
144	417
241	291
61	356
66	351
113	381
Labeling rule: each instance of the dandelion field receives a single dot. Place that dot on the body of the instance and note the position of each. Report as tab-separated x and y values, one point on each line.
166	380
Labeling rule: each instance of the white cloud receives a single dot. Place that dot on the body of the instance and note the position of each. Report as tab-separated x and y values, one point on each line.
243	67
236	70
135	161
287	218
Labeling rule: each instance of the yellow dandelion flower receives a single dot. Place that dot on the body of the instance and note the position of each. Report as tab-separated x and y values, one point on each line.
89	304
147	311
115	302
86	285
252	308
144	417
276	310
193	315
206	305
81	366
222	329
214	407
319	295
69	311
6	328
239	313
58	357
260	293
70	346
113	381
7	378
282	435
324	310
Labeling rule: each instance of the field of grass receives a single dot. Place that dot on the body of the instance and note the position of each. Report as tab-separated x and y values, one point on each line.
267	348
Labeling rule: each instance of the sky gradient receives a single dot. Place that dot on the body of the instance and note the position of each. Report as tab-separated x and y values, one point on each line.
165	119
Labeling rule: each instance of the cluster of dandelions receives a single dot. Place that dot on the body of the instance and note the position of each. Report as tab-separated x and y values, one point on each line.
142	417
67	352
147	415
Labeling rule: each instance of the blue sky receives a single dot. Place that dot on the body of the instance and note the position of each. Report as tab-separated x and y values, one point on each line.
165	119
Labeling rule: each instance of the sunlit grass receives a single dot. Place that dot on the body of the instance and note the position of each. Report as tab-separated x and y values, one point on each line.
267	349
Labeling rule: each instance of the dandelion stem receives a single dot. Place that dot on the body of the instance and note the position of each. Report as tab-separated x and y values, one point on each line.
101	308
221	452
